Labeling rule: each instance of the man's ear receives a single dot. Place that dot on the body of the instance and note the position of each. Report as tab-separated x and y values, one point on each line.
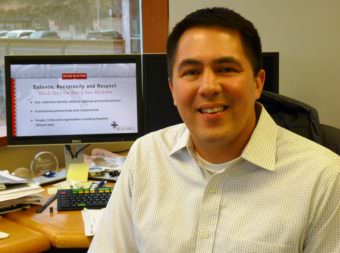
259	80
171	87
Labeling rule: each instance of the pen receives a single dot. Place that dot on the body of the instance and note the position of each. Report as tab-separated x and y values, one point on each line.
47	203
101	184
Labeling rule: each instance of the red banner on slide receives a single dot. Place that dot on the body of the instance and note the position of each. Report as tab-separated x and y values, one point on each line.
13	104
66	76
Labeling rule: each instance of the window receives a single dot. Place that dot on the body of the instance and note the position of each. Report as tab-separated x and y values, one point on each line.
72	27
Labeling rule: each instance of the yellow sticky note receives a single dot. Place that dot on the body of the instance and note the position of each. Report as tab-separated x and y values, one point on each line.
52	190
77	172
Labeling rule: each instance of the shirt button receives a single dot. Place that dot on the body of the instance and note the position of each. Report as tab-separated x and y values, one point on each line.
205	235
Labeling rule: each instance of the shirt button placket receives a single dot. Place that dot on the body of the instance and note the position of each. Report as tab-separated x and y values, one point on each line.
205	235
208	217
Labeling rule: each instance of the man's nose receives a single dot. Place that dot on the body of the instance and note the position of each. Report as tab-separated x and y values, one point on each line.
209	85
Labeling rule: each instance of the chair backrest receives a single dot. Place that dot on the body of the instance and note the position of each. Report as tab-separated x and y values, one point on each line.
293	115
331	137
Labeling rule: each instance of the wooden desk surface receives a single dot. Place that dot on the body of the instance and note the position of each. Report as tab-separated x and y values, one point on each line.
21	239
64	229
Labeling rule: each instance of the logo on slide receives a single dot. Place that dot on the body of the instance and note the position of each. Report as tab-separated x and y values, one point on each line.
114	124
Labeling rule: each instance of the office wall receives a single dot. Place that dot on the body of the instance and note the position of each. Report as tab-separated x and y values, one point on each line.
307	35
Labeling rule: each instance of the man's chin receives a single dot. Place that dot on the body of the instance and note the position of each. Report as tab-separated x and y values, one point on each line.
211	137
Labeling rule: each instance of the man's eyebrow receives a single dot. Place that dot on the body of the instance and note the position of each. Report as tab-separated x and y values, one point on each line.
188	61
221	60
232	60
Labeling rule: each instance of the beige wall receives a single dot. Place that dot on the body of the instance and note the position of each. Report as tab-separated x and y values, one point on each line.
307	35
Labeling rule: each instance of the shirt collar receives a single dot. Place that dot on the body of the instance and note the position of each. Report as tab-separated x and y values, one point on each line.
183	142
261	148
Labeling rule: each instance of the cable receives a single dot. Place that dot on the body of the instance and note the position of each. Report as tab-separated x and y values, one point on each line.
68	148
79	150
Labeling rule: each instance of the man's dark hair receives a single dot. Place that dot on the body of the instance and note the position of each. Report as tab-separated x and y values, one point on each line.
223	18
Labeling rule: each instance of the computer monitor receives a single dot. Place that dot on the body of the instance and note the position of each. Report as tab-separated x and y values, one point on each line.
270	63
73	99
159	110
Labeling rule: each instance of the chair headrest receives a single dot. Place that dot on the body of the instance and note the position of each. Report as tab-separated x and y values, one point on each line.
294	115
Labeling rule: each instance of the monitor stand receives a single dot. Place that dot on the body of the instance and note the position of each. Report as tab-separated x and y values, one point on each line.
74	154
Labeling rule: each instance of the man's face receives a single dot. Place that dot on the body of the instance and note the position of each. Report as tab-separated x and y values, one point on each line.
214	89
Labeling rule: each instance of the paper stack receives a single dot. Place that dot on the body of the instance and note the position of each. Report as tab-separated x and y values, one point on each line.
17	193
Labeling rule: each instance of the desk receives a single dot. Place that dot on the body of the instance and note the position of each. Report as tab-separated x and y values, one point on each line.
21	239
63	229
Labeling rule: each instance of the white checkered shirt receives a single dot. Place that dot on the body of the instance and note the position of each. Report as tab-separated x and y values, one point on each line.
281	196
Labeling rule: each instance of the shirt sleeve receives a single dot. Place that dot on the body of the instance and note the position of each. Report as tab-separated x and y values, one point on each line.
114	232
323	235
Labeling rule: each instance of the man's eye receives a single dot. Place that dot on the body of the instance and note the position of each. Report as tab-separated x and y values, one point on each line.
227	70
190	72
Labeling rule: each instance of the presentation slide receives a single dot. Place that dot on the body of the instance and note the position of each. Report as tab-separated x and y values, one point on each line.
74	99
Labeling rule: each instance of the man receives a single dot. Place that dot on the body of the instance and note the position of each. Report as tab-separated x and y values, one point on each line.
228	179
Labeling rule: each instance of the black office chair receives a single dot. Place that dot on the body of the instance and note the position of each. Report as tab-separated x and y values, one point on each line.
300	118
331	137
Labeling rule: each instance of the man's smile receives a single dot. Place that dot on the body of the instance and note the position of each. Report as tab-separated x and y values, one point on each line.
213	109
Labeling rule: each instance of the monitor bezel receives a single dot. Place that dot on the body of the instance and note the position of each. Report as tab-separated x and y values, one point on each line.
270	62
71	139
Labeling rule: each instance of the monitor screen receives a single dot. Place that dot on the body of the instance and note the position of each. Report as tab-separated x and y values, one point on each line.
73	99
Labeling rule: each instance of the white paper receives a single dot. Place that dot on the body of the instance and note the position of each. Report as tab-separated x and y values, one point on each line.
6	178
18	191
91	219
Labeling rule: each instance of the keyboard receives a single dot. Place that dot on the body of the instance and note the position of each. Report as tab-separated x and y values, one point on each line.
78	199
